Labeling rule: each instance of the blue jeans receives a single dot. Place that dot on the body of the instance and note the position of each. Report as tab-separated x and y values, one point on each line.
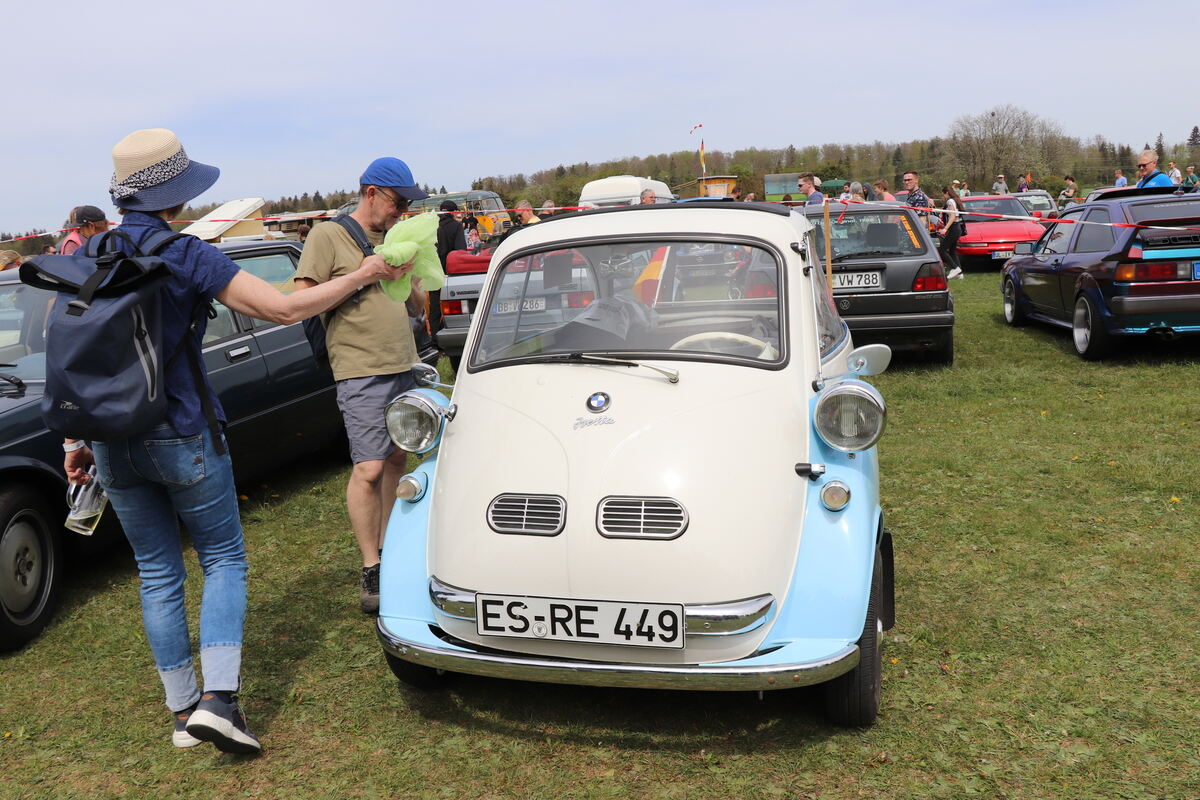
153	481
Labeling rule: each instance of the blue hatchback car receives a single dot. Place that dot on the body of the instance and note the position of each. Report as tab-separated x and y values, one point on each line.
1126	264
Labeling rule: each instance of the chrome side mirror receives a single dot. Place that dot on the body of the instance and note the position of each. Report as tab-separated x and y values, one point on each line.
428	376
870	359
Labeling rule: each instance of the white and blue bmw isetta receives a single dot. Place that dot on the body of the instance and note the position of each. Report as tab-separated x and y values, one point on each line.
657	469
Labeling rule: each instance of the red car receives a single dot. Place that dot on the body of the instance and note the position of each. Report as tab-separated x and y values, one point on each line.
990	238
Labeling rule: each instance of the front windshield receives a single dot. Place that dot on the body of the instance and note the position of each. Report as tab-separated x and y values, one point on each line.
23	331
678	299
868	234
1037	202
993	205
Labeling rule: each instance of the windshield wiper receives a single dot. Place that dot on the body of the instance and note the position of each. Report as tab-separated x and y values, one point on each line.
13	379
672	375
864	253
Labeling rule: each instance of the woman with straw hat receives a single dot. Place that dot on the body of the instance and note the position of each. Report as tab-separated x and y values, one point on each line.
180	469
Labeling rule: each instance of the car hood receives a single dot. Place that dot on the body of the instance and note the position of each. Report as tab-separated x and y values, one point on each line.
701	442
1002	231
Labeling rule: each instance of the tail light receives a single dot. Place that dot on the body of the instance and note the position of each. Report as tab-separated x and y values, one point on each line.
759	290
452	307
580	299
931	277
1154	271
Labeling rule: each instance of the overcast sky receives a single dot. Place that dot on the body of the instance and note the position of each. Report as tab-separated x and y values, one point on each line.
292	97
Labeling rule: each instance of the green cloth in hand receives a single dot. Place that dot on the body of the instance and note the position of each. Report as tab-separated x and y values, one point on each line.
411	238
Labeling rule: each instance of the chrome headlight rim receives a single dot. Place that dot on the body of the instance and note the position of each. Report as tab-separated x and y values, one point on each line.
857	389
434	412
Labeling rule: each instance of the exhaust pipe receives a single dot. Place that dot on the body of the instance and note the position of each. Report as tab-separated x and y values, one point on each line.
1165	334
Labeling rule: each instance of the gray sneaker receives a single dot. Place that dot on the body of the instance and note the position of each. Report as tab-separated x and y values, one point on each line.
368	596
180	737
219	719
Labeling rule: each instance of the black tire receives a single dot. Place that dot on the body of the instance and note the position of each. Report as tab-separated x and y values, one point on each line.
853	698
1091	339
1014	315
416	676
943	352
30	565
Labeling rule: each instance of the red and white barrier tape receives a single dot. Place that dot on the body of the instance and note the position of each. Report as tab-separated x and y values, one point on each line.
882	205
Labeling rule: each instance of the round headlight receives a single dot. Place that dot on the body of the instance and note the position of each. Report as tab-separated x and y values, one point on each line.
414	423
850	416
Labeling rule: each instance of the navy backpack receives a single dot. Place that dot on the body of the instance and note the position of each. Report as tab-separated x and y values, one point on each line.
105	365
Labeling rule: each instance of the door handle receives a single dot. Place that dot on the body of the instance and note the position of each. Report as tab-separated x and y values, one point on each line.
237	353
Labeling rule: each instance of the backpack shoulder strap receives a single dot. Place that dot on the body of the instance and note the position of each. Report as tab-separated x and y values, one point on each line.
157	241
356	233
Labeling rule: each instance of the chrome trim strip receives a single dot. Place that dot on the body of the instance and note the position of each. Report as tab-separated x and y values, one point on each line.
699	677
711	619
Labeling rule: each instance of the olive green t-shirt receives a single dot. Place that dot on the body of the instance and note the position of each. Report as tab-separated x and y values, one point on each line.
369	334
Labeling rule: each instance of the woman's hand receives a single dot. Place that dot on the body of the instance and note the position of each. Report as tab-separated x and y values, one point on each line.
77	463
375	268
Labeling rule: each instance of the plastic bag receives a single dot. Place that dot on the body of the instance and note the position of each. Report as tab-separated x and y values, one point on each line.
409	238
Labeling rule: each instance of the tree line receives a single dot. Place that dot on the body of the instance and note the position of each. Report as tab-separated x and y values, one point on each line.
1003	140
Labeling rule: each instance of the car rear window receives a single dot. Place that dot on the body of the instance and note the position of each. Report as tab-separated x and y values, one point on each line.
1165	210
1037	202
869	235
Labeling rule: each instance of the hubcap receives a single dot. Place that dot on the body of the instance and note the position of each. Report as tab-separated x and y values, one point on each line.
21	559
1081	326
1009	302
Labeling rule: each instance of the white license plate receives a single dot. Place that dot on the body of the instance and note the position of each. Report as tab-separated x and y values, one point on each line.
857	280
527	304
588	621
1002	254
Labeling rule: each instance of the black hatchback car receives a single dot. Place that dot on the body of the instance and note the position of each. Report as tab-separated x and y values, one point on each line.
279	400
889	283
1127	264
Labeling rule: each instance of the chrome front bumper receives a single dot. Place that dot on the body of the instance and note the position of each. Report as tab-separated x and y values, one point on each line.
417	643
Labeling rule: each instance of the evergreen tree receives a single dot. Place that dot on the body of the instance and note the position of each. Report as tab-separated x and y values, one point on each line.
442	190
1160	148
1193	141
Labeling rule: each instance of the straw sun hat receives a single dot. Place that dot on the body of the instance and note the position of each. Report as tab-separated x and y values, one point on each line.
151	172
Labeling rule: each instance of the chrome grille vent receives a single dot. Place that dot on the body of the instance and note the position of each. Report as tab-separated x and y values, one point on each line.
641	518
534	514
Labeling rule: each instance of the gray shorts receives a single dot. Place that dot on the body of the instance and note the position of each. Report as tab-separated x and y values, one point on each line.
362	401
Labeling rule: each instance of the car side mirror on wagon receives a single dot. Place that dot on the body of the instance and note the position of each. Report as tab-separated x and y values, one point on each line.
1023	248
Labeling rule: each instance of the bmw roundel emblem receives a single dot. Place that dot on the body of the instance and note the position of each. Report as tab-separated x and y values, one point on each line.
598	401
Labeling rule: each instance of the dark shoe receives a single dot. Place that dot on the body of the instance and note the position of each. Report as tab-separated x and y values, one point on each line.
181	738
368	597
218	719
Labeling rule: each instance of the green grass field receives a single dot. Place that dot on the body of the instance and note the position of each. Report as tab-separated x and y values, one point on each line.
1044	512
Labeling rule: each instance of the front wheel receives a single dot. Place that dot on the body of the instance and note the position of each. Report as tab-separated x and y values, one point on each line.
853	697
416	676
1092	340
1013	313
30	565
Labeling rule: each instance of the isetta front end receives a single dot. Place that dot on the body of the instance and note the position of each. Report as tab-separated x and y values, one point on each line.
657	469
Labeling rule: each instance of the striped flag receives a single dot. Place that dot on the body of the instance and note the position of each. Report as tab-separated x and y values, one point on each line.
645	288
703	171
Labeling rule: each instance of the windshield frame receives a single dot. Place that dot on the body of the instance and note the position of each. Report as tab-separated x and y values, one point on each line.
486	300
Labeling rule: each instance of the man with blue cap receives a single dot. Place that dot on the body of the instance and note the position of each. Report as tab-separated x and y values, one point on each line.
371	351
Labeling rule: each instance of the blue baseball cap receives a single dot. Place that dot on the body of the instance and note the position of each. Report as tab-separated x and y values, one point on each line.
394	174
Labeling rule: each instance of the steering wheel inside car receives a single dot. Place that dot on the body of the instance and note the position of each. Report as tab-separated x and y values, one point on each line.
727	343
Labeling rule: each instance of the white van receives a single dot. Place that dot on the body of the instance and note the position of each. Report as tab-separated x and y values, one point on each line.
622	190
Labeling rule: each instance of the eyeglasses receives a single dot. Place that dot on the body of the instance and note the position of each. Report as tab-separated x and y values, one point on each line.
400	203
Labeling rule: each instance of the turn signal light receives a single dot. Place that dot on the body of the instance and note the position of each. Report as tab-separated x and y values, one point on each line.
1154	271
931	277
